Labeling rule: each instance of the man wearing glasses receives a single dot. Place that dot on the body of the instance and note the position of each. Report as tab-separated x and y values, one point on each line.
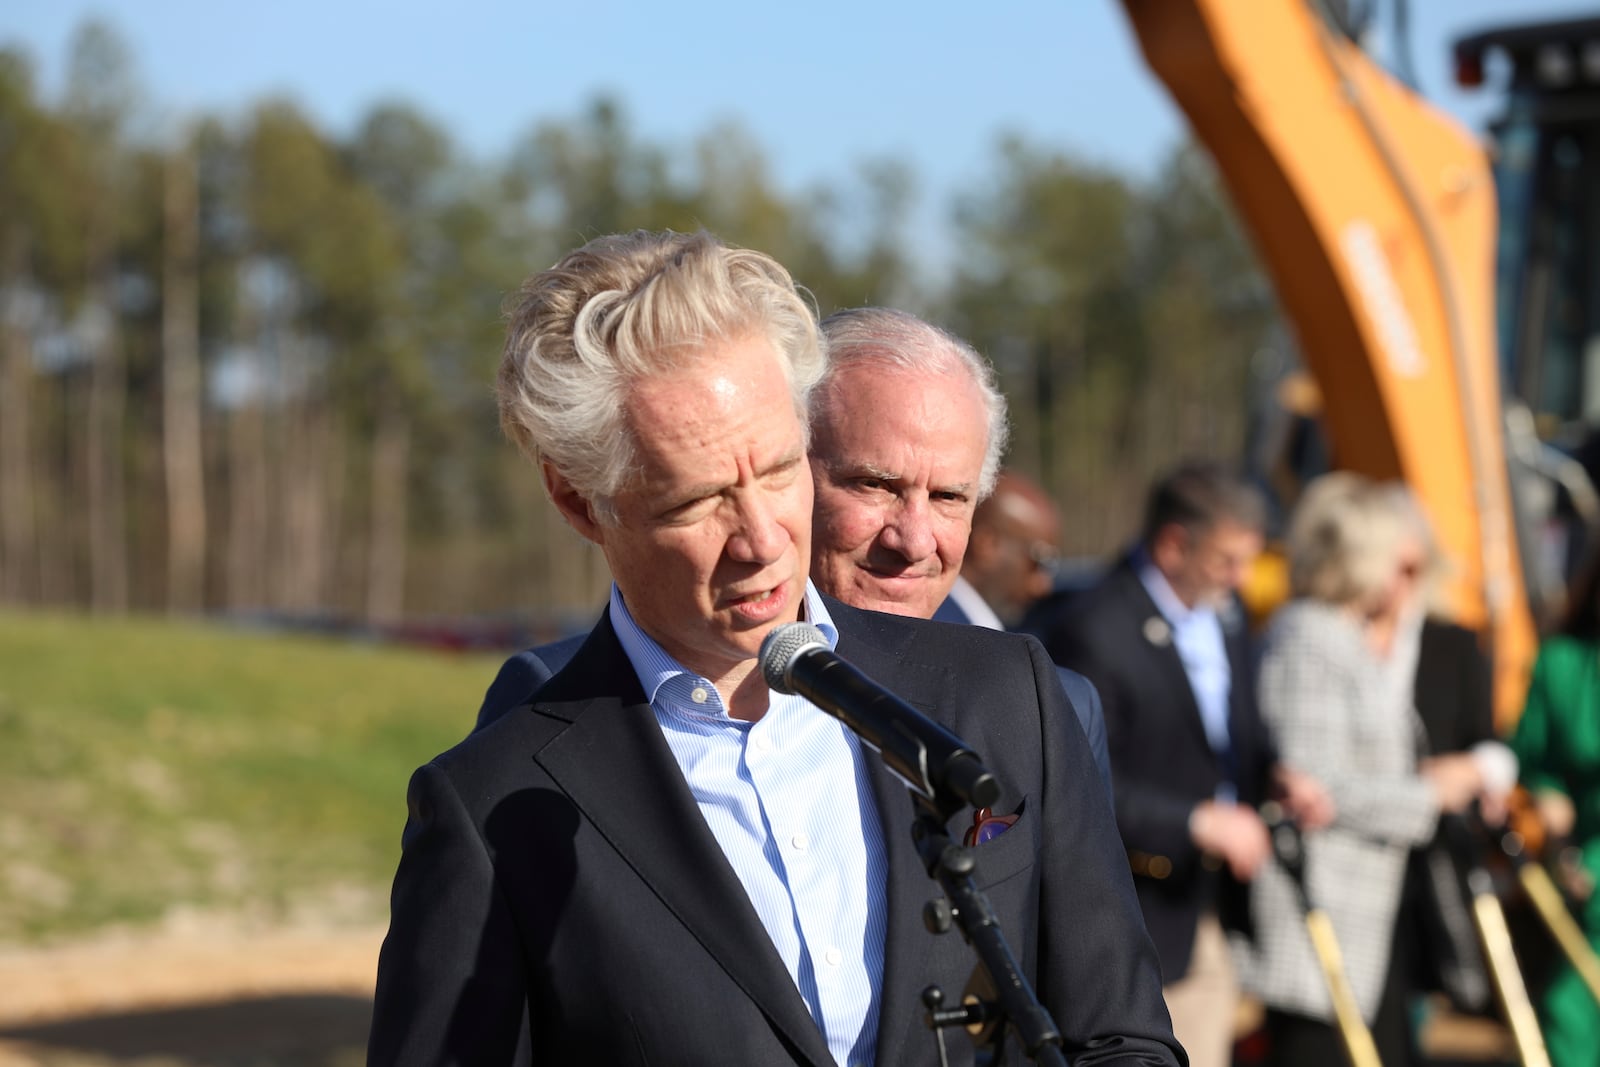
1011	556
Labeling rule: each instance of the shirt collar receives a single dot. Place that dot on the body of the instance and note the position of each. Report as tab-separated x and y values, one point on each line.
979	613
656	667
1155	583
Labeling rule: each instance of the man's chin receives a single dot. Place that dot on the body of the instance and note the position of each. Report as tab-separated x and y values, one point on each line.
916	602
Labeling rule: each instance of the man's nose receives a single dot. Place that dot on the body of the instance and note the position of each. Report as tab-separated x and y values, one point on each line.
909	530
758	537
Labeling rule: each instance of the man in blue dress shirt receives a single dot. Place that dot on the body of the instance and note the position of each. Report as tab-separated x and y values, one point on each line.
1162	637
661	861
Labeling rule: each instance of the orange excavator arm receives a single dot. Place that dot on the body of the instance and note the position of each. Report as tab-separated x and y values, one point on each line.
1375	215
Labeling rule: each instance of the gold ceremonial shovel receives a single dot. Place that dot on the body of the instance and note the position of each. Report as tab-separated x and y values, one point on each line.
1289	849
1551	905
1497	950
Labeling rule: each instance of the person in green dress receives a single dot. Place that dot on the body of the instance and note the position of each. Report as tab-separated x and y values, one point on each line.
1558	743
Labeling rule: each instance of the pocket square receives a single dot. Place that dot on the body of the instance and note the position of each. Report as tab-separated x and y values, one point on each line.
986	826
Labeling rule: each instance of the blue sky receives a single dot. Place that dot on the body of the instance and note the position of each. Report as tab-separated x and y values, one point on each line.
821	85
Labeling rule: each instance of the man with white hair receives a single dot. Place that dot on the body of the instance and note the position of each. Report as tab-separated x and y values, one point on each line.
908	431
659	859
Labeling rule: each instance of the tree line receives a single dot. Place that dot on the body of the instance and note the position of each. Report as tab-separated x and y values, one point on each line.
246	365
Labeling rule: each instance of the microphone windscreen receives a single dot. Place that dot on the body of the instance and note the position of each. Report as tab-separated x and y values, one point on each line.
780	648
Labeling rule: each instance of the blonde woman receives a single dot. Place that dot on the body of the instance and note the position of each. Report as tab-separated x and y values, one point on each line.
1328	691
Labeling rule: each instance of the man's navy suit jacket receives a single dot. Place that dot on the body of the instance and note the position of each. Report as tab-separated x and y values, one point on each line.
1114	634
560	898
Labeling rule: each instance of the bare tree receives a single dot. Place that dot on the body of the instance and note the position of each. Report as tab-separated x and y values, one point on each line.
182	397
386	559
100	94
19	562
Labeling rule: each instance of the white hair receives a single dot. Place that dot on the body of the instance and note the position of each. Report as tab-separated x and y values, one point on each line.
625	307
899	339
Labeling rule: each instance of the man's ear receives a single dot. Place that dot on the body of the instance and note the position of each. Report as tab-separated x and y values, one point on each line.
574	506
1167	547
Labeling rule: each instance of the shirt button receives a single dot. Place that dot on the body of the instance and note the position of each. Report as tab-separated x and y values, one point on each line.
763	742
833	957
698	694
800	841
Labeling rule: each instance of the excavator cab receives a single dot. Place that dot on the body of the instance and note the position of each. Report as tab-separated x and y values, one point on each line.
1546	162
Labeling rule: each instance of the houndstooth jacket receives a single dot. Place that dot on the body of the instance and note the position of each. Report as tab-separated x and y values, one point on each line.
1337	716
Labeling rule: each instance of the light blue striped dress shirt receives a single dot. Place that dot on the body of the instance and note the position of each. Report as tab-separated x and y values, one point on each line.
788	800
1197	635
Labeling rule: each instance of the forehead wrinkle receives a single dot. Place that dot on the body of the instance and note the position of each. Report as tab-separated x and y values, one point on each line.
788	458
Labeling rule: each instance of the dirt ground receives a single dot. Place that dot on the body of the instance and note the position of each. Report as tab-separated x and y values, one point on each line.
218	992
208	992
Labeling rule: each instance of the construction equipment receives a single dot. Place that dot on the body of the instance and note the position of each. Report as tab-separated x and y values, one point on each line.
1375	215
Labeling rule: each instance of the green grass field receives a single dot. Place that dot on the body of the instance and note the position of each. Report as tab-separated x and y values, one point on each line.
147	766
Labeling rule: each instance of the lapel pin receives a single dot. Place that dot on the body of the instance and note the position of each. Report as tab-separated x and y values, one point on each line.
1157	632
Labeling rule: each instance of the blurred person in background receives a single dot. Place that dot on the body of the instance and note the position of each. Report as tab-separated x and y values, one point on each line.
1162	637
1441	667
1558	742
1010	558
1341	710
1009	566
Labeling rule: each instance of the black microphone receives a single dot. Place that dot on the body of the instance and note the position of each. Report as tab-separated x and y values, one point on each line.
796	660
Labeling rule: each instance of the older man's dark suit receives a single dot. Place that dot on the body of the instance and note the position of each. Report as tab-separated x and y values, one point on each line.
1160	756
1080	694
559	888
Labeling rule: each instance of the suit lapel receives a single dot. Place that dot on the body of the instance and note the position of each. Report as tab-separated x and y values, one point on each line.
616	767
906	940
1156	633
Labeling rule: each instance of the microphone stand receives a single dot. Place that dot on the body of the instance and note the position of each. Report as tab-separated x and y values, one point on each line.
1005	999
1013	1002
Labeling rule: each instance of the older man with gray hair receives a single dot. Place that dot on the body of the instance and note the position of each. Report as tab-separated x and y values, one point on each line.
909	428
